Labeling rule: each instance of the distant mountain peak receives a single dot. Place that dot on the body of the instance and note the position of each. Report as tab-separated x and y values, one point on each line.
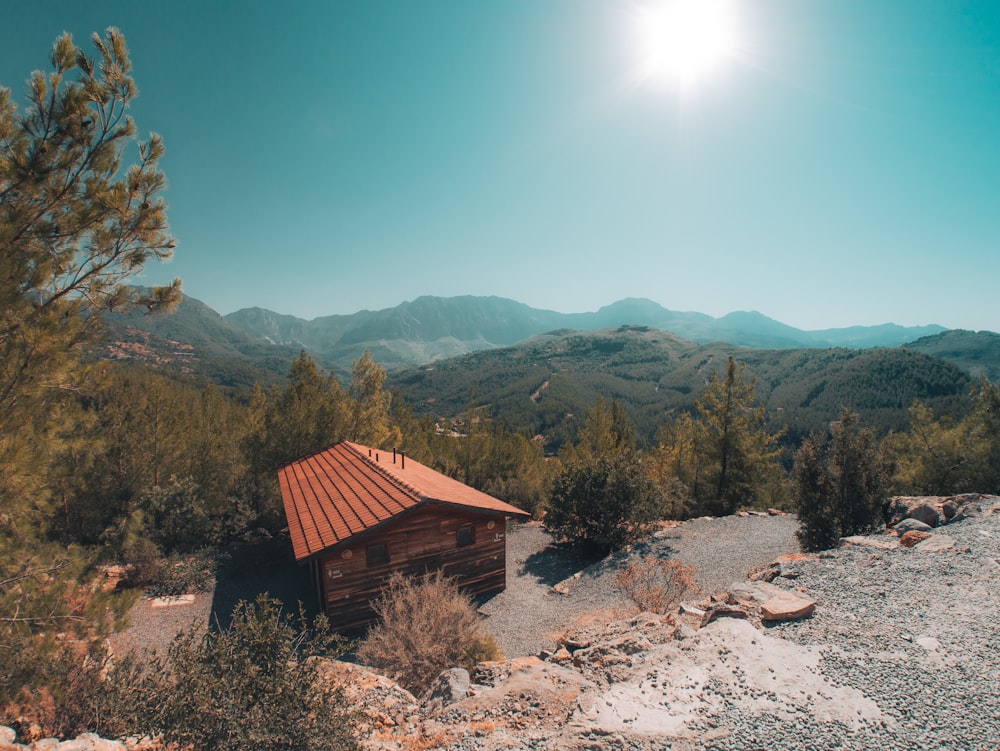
430	327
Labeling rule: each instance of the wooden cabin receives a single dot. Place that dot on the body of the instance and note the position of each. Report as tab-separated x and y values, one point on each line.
357	514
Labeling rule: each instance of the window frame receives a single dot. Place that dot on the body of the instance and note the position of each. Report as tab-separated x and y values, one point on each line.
470	530
381	558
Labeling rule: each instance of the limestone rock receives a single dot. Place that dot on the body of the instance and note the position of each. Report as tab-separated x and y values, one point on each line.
934	510
450	687
880	542
787	607
935	544
911	525
929	643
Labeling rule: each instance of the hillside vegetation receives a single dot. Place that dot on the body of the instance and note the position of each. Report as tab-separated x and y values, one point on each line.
545	386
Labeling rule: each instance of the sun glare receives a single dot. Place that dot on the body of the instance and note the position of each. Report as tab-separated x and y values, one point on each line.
684	40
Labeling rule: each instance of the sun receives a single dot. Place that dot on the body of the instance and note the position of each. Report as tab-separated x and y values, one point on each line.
685	40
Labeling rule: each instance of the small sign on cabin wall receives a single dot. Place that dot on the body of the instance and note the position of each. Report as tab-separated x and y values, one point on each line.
498	536
334	573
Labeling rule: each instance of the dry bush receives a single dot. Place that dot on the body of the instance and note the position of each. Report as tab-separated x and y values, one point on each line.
426	625
655	584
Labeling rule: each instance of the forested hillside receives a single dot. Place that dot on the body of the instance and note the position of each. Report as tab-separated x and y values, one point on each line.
193	340
977	352
545	386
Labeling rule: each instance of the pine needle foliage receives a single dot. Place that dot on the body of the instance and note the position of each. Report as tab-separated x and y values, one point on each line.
839	481
76	222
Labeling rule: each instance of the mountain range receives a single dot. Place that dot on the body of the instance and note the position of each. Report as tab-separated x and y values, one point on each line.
542	370
433	328
255	344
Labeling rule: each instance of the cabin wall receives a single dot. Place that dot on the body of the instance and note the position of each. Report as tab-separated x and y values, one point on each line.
424	540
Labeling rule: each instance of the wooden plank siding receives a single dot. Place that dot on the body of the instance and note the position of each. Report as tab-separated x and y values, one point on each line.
425	539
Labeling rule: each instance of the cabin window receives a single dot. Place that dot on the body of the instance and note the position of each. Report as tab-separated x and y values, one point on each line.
377	554
465	535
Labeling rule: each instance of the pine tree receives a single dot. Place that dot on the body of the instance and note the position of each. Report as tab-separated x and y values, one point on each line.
370	423
723	454
75	224
839	481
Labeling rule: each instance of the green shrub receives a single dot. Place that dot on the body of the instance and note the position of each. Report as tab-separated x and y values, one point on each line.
839	482
603	503
249	686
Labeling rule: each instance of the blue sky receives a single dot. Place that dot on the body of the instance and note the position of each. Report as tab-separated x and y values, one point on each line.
839	165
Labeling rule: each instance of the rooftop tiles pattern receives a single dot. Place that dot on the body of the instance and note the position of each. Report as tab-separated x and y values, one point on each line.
348	488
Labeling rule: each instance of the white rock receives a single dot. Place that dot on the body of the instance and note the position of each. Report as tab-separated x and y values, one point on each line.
928	642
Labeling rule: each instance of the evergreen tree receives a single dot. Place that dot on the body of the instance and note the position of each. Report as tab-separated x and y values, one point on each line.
839	481
737	452
370	405
607	432
721	456
75	224
939	455
603	503
311	414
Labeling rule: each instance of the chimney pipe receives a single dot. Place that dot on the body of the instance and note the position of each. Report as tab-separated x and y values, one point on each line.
403	455
393	454
376	456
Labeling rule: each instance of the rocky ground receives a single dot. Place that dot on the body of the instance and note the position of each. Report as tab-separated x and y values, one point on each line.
899	649
901	652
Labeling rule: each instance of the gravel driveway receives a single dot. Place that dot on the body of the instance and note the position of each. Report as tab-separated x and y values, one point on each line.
529	616
525	618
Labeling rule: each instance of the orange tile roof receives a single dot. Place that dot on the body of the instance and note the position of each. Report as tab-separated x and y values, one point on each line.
346	489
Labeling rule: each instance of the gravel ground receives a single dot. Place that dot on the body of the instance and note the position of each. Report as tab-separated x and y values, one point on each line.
528	616
245	571
152	628
916	632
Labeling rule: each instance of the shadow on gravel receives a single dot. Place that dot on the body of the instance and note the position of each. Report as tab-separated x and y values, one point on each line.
251	569
556	562
656	547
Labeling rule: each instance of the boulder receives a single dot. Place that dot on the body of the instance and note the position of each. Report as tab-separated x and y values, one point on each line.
787	607
935	544
450	687
911	525
914	536
925	513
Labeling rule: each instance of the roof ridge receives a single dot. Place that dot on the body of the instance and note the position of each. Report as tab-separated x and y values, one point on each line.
377	466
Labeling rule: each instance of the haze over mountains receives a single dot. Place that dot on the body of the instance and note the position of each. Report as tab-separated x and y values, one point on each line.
432	328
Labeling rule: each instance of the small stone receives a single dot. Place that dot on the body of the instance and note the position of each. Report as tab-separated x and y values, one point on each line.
929	643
